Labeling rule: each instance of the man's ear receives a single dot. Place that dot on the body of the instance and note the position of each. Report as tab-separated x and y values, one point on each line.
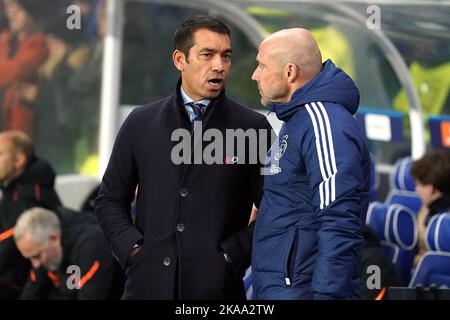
292	72
20	161
179	60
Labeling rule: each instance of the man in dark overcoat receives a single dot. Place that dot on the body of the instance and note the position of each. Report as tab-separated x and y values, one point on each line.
190	237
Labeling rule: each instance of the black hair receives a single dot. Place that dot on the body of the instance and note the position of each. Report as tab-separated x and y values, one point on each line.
183	39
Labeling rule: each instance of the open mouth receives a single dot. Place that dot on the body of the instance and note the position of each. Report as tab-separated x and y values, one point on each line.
215	82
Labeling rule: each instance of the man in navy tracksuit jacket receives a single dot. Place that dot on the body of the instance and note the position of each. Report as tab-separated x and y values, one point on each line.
308	239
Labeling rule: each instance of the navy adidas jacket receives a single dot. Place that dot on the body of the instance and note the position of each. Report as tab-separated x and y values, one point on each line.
307	241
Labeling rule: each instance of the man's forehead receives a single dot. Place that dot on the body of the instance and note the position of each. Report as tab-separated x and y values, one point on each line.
264	49
5	142
204	36
270	45
4	138
29	246
262	54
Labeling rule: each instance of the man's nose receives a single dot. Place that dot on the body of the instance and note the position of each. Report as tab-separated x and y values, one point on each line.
254	75
218	64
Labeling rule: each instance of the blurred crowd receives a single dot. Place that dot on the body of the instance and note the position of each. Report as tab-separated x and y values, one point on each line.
50	76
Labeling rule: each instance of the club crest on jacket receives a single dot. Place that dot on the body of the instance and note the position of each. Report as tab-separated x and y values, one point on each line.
282	148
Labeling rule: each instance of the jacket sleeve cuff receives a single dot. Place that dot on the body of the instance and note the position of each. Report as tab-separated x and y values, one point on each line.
239	247
122	246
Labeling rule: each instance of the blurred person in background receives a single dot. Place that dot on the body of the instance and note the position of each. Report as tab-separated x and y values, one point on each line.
431	175
85	84
69	256
88	18
23	50
373	255
56	105
26	181
3	21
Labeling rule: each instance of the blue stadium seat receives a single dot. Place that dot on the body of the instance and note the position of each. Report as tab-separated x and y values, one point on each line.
434	267
403	186
394	224
438	233
375	217
401	178
407	198
396	227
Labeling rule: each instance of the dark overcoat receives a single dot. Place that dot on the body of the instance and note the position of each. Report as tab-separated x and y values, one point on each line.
186	214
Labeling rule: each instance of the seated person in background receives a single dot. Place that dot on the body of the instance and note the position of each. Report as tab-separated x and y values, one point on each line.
69	255
431	174
26	182
373	255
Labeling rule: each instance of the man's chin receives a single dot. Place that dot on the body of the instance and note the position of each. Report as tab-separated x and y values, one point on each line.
212	94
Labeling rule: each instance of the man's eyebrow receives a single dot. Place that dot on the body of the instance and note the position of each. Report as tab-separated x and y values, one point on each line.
214	50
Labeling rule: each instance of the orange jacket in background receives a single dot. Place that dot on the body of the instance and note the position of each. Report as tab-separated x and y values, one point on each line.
20	69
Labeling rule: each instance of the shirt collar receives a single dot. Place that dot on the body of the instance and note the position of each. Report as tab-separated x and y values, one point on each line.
187	99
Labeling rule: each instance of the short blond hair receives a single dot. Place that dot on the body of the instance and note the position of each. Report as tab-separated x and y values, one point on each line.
38	222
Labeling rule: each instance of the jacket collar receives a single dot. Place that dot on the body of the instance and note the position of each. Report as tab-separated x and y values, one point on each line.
439	205
331	84
181	113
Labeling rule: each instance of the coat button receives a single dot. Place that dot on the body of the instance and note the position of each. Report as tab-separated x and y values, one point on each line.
167	261
180	227
184	192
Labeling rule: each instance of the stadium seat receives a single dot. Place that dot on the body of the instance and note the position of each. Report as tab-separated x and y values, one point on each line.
375	217
401	178
434	267
396	227
407	198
